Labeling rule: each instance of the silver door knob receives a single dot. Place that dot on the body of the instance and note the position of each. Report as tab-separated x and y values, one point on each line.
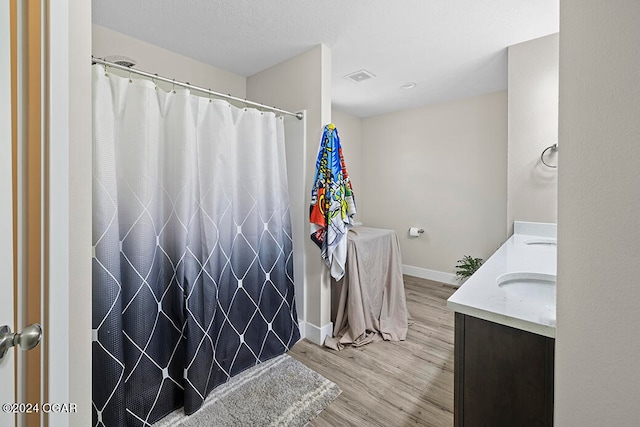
27	339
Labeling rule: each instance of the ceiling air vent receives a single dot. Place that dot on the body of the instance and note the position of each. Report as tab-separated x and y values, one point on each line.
359	76
121	60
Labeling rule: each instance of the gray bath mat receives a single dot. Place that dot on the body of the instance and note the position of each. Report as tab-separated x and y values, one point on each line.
279	392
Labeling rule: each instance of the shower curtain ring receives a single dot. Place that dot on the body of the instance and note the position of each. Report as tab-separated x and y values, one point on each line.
209	95
155	84
130	81
174	86
106	70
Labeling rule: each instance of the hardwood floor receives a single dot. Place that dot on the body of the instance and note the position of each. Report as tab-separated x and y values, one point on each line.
407	383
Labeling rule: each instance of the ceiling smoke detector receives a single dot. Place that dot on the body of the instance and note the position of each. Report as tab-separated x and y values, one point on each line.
360	76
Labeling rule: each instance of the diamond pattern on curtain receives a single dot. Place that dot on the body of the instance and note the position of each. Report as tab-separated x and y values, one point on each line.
192	266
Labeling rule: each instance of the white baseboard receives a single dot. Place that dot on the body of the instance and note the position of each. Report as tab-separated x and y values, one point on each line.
425	273
316	334
302	325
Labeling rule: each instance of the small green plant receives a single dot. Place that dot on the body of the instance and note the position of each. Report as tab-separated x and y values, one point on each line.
467	266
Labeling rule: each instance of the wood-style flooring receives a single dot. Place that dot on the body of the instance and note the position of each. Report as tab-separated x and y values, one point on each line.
407	383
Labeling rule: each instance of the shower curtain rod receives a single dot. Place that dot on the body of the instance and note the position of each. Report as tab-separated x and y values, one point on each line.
95	60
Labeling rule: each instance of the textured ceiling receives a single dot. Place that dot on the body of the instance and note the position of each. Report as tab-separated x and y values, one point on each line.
450	48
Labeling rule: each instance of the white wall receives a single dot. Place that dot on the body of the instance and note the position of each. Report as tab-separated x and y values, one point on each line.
304	83
350	131
530	187
597	343
79	210
295	131
443	168
154	59
533	126
69	179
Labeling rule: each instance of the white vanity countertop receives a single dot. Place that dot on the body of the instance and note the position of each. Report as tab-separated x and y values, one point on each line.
480	296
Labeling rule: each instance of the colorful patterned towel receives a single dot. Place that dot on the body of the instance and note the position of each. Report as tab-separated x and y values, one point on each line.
332	203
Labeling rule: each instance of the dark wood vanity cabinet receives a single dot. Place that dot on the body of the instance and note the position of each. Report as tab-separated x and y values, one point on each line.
503	375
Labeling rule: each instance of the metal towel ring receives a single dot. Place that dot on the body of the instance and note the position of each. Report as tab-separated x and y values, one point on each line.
553	147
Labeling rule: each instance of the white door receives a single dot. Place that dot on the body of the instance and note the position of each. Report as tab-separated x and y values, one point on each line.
26	380
7	392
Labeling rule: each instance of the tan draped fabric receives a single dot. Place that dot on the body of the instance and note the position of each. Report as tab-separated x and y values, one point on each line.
369	303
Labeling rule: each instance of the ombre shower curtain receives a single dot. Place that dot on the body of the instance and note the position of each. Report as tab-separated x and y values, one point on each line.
192	265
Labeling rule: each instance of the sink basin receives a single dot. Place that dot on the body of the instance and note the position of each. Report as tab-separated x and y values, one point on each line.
541	241
535	288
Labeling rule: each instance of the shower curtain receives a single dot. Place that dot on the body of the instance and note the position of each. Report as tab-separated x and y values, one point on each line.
192	265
